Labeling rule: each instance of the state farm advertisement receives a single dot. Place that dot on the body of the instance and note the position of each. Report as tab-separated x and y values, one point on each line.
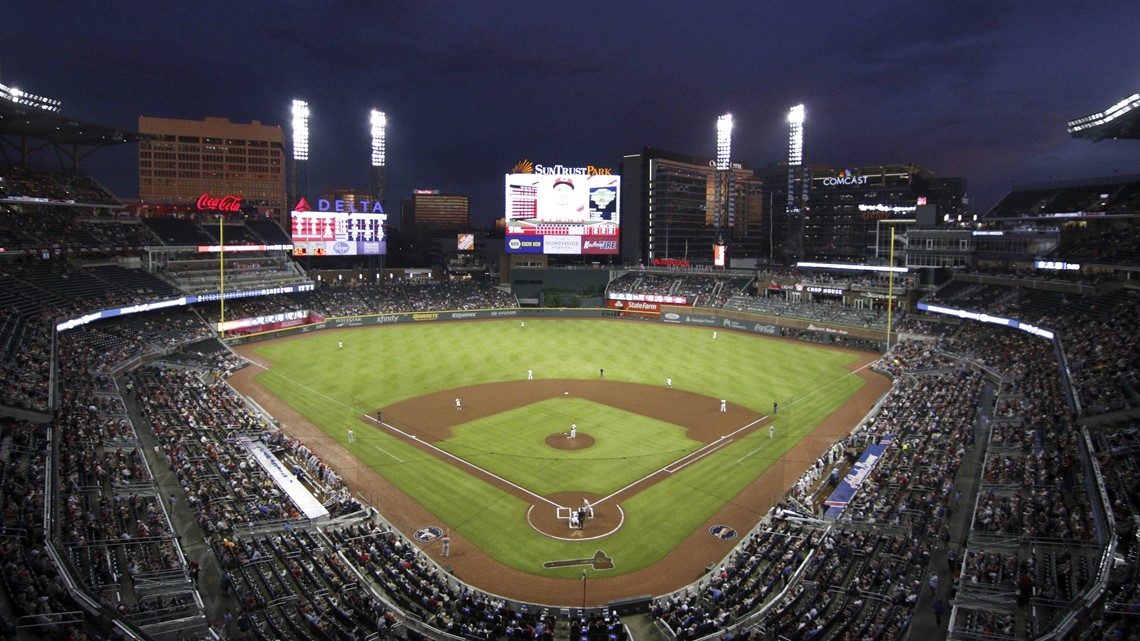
635	306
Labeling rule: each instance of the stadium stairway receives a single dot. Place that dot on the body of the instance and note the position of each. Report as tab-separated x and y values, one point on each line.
923	624
189	534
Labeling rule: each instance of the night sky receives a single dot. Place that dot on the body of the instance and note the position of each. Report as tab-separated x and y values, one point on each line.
980	90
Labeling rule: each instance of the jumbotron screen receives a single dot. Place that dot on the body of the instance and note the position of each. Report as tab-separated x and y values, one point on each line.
562	214
338	233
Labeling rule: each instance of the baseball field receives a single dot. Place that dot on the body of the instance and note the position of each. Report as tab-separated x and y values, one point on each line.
467	444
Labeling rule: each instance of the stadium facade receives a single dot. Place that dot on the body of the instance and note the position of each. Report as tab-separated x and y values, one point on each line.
669	202
182	160
852	210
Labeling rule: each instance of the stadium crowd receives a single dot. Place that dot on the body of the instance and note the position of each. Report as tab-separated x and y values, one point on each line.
856	575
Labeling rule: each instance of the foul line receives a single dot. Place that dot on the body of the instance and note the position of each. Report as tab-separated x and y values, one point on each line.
681	463
398	459
411	437
808	395
449	455
670	468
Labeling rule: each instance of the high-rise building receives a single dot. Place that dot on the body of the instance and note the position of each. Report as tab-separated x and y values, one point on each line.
853	210
670	209
182	160
429	214
785	198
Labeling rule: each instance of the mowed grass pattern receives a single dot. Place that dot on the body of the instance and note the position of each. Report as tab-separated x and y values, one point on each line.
513	446
382	365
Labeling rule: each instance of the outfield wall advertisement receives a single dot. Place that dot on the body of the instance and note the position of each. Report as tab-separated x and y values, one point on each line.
568	212
672	314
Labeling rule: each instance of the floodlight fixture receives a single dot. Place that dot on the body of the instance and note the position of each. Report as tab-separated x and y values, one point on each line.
300	130
1106	116
379	122
796	135
796	115
21	97
724	142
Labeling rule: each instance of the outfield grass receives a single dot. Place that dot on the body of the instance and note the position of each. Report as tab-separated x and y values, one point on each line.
381	366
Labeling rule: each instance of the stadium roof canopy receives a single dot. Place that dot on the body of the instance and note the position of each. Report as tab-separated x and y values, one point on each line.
24	128
1121	120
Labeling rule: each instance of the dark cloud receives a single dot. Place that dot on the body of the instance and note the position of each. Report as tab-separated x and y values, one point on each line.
975	89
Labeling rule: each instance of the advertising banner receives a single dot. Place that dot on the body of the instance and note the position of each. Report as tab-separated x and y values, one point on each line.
338	233
599	244
633	306
285	479
858	473
524	244
563	203
562	244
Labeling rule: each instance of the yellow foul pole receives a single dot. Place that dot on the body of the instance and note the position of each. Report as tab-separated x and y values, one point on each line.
222	272
890	288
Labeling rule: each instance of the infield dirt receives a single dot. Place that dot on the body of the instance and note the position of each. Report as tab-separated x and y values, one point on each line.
435	415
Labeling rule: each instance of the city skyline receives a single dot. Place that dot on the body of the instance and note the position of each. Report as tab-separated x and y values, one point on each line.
971	89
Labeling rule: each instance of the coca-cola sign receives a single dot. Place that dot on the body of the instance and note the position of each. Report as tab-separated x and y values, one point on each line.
219	203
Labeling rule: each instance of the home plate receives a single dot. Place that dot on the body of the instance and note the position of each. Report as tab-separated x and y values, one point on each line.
566	393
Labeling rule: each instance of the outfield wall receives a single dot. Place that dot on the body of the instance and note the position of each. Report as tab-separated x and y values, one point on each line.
825	334
707	318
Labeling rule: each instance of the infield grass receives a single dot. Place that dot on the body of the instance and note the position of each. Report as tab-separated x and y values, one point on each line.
382	365
513	446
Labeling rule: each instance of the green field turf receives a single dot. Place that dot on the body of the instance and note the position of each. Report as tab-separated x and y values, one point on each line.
383	365
513	445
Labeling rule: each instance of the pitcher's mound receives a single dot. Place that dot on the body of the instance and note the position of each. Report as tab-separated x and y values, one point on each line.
562	441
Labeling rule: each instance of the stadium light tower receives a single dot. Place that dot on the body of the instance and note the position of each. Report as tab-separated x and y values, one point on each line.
20	97
796	135
300	147
724	176
379	122
797	200
300	130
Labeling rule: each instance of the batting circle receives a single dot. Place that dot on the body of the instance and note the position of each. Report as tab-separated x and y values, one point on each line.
551	535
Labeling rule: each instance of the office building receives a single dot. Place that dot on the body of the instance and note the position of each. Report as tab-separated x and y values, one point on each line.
669	208
180	161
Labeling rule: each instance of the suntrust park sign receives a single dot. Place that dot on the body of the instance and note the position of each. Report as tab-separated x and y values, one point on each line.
527	167
560	170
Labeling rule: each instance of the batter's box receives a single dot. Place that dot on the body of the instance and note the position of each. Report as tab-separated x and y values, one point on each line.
570	515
